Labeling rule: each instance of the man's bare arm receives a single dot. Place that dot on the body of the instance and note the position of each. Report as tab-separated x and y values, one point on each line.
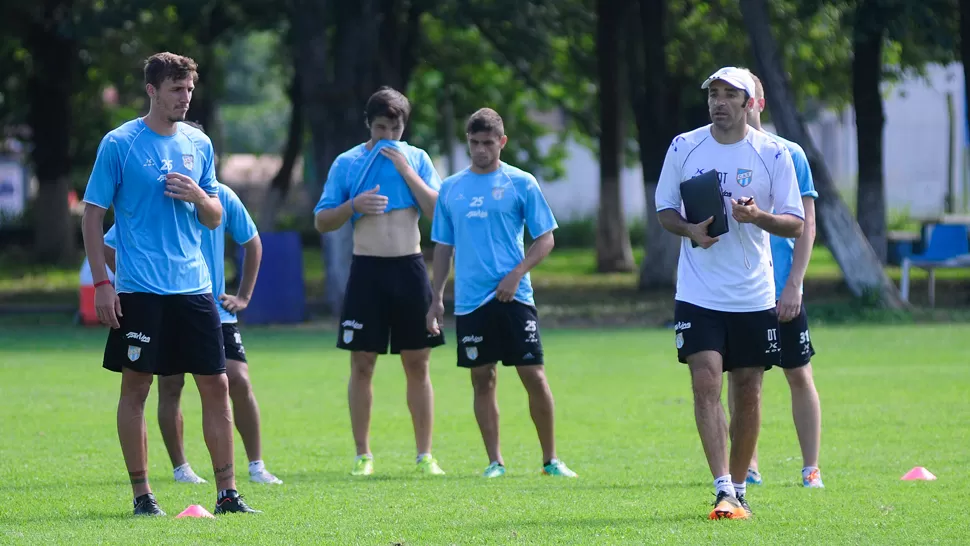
331	219
92	230
250	268
782	225
803	245
210	212
425	196
441	268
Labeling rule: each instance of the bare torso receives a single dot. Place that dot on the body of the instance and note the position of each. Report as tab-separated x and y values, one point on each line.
388	235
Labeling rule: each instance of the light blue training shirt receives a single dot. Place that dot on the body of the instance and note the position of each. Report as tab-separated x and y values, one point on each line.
359	169
159	238
782	248
240	226
483	216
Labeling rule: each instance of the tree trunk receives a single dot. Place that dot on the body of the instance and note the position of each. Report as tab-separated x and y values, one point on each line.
310	19
655	130
861	268
51	83
280	186
867	39
613	252
965	56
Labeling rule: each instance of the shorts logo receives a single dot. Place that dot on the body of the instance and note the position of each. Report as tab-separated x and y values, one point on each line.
744	177
238	338
134	352
679	340
471	352
680	326
532	338
348	335
772	341
472	339
528	356
352	324
189	161
138	336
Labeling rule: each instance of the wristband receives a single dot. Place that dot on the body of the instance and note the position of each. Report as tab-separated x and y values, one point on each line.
97	284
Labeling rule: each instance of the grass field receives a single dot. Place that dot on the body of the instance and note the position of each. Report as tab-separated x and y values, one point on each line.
893	398
566	269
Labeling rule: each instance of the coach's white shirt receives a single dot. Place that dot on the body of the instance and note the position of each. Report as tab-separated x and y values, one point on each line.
736	273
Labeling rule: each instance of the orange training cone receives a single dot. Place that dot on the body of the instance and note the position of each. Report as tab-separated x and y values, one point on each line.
918	473
195	511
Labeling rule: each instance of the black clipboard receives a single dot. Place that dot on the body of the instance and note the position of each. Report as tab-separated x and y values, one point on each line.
702	199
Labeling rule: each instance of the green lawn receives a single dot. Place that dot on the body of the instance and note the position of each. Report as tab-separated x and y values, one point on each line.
893	398
567	267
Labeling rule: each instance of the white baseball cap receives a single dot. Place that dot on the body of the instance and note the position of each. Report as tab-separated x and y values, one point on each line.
733	76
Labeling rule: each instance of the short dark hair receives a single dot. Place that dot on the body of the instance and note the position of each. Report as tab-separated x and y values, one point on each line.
163	66
485	120
389	103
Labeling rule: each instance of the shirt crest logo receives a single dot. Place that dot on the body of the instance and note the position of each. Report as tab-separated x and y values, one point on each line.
189	161
744	177
497	193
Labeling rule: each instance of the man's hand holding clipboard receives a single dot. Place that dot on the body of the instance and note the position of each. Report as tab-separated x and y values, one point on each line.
704	209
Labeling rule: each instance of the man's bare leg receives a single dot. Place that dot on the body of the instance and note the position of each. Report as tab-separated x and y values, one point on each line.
541	407
484	385
245	409
732	423
170	416
217	427
420	395
132	430
806	412
746	418
360	396
705	372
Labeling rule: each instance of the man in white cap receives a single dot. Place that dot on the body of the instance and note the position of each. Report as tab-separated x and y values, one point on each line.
725	303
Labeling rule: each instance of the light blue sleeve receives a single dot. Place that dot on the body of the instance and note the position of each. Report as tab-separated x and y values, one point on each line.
538	215
442	228
335	190
427	172
111	238
241	226
106	174
803	173
208	180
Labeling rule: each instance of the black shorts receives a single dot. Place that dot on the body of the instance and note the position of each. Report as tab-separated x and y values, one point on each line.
745	340
233	342
499	331
387	299
167	335
796	344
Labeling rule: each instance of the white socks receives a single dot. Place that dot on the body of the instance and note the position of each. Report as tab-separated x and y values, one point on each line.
256	467
723	484
421	456
739	489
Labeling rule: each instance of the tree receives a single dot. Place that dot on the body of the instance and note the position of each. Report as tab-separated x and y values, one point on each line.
861	266
651	102
613	251
965	57
869	33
